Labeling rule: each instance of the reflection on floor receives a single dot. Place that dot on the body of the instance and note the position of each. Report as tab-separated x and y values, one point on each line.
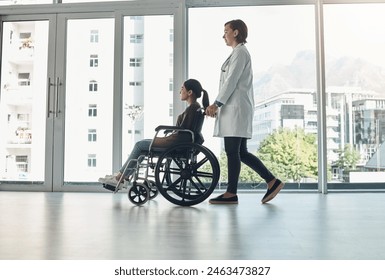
106	226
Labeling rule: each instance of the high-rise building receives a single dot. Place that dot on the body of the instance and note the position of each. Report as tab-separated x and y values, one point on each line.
354	116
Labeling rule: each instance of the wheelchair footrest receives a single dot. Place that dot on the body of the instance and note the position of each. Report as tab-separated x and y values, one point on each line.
109	187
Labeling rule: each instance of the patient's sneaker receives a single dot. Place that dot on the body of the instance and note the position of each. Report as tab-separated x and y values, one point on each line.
109	179
109	182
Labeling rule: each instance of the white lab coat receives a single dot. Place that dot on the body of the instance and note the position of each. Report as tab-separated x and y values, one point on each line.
235	116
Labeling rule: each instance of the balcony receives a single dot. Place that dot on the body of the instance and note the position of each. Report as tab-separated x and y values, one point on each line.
20	136
22	53
18	94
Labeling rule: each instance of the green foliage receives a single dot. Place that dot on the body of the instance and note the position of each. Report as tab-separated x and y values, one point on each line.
289	154
246	175
348	158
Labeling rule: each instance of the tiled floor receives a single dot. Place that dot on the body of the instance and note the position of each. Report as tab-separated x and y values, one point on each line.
293	226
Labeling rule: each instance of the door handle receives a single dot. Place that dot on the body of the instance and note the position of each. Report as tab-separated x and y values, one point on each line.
49	111
57	110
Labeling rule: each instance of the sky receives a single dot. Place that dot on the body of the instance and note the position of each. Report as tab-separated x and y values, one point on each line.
278	33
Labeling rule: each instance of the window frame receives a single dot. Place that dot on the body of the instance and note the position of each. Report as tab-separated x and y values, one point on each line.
179	9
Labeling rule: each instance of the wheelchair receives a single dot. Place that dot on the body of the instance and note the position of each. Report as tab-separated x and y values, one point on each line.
185	174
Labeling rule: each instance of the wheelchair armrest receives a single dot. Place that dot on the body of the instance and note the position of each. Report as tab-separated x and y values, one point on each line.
166	127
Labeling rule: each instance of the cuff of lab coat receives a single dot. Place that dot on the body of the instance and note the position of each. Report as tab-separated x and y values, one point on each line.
219	104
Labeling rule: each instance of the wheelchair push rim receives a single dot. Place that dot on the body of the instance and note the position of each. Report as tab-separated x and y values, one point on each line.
187	174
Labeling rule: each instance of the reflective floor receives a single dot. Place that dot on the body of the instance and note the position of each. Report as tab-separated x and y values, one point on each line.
106	226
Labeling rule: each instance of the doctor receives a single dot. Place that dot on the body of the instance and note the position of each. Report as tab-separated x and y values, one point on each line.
234	109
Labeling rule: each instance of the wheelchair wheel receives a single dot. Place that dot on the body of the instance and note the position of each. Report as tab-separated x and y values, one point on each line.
187	174
152	187
138	194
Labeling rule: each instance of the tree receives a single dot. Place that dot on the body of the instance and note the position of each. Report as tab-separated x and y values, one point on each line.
247	175
289	154
348	158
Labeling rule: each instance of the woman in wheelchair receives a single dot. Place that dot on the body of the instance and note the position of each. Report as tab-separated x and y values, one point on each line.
190	91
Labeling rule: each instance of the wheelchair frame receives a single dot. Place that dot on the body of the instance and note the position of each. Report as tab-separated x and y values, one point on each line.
185	174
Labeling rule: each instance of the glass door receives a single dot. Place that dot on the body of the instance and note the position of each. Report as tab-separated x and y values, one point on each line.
111	92
56	102
88	95
72	105
26	103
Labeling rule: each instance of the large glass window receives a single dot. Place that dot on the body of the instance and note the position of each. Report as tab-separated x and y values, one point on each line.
23	100
355	88
146	76
281	42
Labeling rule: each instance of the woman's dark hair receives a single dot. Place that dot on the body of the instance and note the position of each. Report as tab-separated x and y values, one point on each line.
239	25
196	87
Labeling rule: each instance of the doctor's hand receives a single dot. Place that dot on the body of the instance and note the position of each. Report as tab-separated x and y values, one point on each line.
212	110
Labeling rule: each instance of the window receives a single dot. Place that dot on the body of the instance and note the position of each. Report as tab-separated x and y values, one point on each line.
91	135
23	117
135	84
136	38
91	160
25	35
171	84
354	47
24	79
284	82
92	110
94	36
22	163
94	61
136	62
93	86
137	132
171	31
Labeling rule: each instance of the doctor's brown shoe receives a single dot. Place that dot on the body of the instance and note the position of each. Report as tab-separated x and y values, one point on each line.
273	190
